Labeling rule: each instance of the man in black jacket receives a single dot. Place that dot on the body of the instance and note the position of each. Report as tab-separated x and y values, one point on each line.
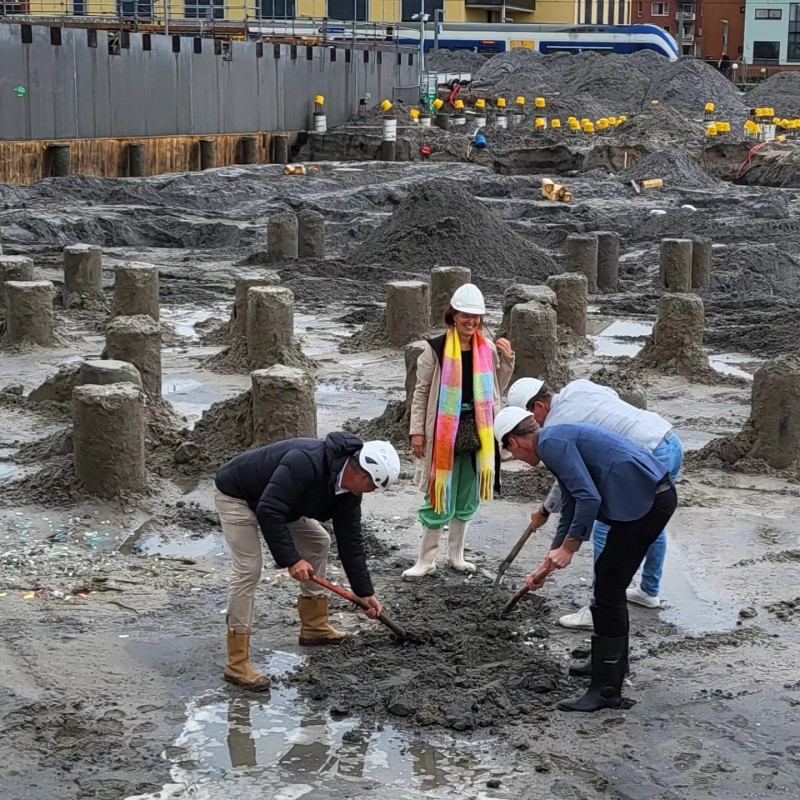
286	489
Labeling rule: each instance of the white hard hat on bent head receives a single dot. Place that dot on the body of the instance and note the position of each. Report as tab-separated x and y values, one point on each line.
468	299
381	461
523	391
507	420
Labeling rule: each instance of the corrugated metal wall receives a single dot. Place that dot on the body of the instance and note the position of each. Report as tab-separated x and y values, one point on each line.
72	90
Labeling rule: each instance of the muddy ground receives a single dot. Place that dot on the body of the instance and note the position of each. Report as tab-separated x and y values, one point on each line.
112	633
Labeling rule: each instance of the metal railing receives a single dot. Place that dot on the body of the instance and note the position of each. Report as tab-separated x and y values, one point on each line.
256	16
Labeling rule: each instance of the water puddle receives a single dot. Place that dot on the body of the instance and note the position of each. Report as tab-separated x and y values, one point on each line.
158	545
192	393
240	747
617	337
184	318
623	337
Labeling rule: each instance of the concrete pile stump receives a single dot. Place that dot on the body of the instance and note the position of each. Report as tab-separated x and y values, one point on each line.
108	438
283	404
242	285
137	339
83	274
519	293
102	372
582	257
677	340
13	268
607	260
29	313
282	237
702	254
572	291
270	326
136	291
310	234
444	281
534	337
408	308
775	413
676	265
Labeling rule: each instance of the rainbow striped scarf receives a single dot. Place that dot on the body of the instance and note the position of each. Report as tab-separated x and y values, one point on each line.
441	488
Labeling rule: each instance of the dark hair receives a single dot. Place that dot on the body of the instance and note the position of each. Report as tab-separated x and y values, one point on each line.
545	393
522	428
450	317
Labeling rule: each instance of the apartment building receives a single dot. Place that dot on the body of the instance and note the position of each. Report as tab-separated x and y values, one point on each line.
772	34
703	28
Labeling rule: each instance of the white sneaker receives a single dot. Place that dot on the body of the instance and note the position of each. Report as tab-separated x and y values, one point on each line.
580	620
637	595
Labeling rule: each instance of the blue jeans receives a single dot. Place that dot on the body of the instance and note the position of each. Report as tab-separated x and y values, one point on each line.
670	454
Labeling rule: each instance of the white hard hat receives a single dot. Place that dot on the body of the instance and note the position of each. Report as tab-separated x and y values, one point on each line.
507	420
523	391
381	461
468	298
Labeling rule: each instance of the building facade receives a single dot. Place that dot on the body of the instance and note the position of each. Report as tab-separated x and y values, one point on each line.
704	29
380	11
772	34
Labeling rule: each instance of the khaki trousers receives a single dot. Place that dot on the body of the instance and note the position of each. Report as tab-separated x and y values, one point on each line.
243	535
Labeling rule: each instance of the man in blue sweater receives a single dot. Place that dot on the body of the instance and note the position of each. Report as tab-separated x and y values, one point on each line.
606	477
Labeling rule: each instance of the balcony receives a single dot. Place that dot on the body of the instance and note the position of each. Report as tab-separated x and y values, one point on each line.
498	5
687	16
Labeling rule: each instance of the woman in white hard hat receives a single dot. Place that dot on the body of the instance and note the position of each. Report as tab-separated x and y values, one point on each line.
460	376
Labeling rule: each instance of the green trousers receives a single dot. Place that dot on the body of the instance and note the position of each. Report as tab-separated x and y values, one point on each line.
465	494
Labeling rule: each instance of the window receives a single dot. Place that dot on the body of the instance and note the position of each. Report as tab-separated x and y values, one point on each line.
666	28
793	45
411	7
277	9
767	53
344	9
769	13
135	9
204	9
638	9
660	9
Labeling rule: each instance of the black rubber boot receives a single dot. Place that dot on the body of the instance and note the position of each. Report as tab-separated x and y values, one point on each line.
584	670
609	662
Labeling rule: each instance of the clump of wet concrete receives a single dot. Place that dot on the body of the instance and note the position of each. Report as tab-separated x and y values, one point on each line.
468	667
440	222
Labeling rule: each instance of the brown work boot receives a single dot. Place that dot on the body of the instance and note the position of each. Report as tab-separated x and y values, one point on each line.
239	670
315	629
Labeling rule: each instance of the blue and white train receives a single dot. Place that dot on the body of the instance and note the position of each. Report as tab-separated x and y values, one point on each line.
499	38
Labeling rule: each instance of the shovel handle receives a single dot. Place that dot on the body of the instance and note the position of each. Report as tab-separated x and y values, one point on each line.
515	551
390	624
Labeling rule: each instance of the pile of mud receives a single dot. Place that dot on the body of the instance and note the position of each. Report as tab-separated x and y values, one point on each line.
675	167
455	61
756	270
593	85
441	223
467	667
766	326
660	123
781	92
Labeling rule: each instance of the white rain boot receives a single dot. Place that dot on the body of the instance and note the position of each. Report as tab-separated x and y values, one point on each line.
428	548
455	547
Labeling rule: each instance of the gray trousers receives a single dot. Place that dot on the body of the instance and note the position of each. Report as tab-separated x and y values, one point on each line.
243	535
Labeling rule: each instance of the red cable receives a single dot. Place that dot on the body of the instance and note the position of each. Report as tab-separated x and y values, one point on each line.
750	155
454	93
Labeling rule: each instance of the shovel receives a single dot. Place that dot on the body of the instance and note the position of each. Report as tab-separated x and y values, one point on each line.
538	576
515	551
391	625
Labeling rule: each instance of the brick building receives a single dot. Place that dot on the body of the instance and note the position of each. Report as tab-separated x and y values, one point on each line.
702	28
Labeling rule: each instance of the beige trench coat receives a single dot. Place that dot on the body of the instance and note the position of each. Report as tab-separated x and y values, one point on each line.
425	403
